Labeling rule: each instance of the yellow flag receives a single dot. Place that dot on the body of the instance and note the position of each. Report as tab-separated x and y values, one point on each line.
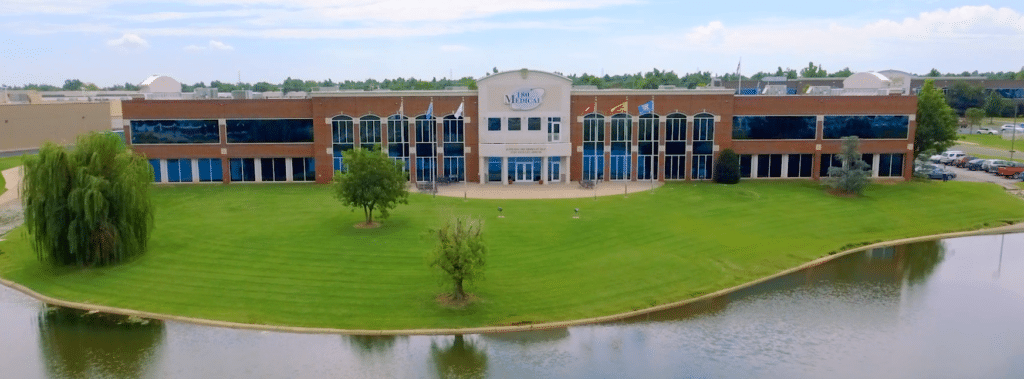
621	108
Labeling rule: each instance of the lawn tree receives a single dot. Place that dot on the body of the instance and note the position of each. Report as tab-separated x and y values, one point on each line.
372	181
996	105
853	175
89	206
460	253
727	167
974	116
936	122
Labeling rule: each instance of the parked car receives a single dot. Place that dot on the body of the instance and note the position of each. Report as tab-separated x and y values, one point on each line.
935	158
1008	128
1012	170
962	162
986	131
940	173
993	166
949	156
974	164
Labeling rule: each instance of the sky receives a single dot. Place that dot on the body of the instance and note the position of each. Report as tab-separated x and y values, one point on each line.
109	42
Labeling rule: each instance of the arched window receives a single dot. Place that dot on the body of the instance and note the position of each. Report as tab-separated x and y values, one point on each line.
593	147
454	148
647	147
369	131
343	137
398	138
703	146
622	137
426	145
675	146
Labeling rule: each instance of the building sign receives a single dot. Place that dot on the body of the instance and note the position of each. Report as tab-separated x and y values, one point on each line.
524	99
513	150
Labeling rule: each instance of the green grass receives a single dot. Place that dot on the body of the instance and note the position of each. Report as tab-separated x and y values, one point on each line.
998	121
288	254
994	141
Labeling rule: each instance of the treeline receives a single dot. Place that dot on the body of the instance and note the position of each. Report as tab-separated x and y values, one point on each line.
649	80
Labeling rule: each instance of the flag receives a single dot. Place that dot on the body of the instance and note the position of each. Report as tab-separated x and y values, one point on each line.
430	110
621	108
646	108
738	67
462	108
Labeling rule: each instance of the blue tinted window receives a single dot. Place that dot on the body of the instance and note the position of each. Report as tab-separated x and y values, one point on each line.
243	170
866	127
179	170
273	170
156	169
210	170
270	131
494	124
773	127
515	123
303	169
174	131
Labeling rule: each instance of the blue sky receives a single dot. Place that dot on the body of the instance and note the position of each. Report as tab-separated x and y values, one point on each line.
116	41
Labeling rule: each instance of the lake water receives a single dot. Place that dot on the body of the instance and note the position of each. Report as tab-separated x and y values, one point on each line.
942	309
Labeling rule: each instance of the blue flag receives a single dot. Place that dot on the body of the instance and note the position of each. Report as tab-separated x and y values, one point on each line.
430	110
646	108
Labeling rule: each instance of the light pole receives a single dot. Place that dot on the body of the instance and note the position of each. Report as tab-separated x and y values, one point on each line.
1013	139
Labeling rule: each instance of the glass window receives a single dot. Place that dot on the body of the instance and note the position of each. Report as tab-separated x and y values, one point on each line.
398	139
866	127
622	127
703	146
494	124
890	165
343	130
774	127
647	147
303	169
179	170
369	131
593	147
210	170
554	129
769	166
174	131
243	169
270	131
515	123
828	160
155	163
800	165
273	170
533	123
675	146
745	165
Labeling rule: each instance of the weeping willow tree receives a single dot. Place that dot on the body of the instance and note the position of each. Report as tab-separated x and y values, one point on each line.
89	206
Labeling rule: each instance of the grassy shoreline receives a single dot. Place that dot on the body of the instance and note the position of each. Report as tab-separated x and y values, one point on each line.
287	254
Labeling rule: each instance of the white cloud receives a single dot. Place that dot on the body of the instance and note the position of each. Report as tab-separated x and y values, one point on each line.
128	41
454	48
927	36
212	45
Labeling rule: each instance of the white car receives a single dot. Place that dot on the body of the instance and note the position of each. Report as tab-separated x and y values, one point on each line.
949	156
986	131
1008	128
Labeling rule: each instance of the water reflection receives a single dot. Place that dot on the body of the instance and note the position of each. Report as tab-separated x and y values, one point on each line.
461	358
372	345
75	344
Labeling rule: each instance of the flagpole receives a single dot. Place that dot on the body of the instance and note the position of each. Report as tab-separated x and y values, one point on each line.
433	135
739	89
594	164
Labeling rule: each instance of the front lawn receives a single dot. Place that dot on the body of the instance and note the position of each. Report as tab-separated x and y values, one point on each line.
288	254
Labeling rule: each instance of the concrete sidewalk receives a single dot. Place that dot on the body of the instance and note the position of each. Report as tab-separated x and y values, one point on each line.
13	178
539	191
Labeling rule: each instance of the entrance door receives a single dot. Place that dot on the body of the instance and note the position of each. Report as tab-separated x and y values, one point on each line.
554	171
524	172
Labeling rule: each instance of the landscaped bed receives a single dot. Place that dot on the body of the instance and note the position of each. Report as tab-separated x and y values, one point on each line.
289	254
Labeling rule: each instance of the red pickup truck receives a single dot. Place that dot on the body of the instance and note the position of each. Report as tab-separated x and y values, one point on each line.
1014	172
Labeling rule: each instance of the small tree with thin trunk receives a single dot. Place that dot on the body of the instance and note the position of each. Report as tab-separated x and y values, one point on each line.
460	253
853	175
974	116
372	181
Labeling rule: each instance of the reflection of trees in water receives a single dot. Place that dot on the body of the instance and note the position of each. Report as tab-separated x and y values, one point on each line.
920	260
372	345
75	344
530	336
460	359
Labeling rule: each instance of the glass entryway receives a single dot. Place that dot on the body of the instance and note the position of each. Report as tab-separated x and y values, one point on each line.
524	172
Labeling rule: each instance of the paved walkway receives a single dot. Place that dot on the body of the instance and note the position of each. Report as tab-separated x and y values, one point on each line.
539	191
11	214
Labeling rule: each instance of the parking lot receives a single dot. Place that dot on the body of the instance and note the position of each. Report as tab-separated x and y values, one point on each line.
966	175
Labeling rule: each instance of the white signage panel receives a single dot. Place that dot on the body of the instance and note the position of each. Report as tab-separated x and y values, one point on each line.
524	99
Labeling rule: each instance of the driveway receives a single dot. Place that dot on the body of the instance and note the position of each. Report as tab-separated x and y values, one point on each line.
972	149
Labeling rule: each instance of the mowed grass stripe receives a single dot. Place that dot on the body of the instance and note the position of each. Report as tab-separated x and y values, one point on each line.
289	254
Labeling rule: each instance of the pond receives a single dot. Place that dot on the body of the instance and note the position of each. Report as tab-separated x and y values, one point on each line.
941	309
